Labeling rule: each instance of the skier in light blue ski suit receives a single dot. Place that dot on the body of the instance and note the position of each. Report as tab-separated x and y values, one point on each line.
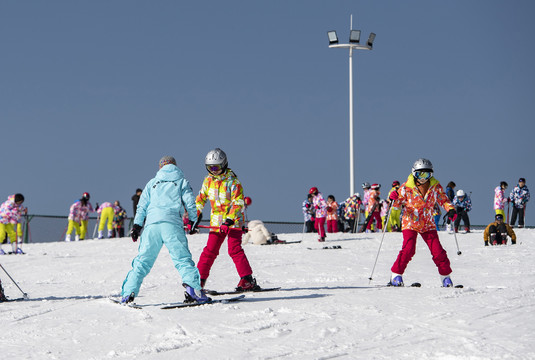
160	207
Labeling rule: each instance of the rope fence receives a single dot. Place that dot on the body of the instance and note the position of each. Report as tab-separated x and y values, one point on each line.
50	228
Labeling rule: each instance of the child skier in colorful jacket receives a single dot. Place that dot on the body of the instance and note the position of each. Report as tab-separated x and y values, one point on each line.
419	194
321	212
159	211
375	206
11	211
224	191
332	214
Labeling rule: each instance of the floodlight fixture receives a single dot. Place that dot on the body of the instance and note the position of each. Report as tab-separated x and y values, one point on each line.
354	36
371	38
333	38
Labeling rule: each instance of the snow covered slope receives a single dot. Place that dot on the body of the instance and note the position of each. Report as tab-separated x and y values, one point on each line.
326	308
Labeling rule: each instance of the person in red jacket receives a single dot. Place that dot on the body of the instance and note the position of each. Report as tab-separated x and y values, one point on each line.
418	195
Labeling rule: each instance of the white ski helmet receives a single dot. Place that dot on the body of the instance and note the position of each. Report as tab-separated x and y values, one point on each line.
422	165
460	193
216	157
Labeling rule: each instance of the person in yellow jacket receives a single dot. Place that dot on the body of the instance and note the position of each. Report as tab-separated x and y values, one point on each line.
224	191
394	223
496	232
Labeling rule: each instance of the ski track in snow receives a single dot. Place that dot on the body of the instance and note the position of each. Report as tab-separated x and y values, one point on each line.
327	308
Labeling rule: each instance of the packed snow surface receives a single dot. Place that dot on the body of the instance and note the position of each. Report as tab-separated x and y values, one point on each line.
327	308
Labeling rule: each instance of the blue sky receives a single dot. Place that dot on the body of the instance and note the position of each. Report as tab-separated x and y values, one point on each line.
92	94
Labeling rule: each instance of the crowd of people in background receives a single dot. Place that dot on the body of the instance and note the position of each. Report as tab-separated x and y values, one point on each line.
371	213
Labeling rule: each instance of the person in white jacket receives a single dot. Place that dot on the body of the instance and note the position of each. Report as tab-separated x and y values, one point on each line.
258	234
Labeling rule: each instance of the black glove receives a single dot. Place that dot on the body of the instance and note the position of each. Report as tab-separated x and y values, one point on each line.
451	214
96	209
134	233
194	224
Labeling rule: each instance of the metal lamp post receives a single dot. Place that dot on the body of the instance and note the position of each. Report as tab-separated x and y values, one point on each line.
354	44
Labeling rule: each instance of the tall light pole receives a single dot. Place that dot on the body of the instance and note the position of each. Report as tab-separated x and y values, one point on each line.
354	44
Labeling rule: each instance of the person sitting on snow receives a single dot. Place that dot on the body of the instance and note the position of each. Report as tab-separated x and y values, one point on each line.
497	231
259	234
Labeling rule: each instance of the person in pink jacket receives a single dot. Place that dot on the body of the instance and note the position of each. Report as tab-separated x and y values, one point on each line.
320	205
10	213
500	199
418	195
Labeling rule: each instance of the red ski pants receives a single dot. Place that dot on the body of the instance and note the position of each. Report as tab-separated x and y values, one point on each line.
211	251
319	225
332	226
376	216
440	257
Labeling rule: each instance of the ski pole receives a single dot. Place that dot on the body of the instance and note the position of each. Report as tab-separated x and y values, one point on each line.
95	229
380	245
455	235
24	295
243	228
356	222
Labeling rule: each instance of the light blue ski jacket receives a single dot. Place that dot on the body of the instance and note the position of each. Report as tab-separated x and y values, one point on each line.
165	197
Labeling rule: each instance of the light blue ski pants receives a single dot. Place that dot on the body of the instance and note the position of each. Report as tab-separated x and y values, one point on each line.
150	244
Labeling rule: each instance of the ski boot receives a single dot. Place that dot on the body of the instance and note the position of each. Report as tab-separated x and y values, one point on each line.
19	251
68	237
504	239
397	280
110	233
467	229
128	299
446	281
76	237
321	239
193	295
247	283
100	234
2	296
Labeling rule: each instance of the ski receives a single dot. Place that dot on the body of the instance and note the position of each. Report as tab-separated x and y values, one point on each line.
131	305
192	304
326	247
216	293
282	242
12	300
416	284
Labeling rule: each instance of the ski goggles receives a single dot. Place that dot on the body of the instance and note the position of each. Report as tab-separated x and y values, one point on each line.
213	168
423	175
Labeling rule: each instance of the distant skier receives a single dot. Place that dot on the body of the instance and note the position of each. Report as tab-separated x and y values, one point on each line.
118	219
419	194
519	197
11	211
135	200
78	218
160	208
224	191
373	209
496	232
500	199
395	214
320	206
352	211
309	213
332	214
463	204
106	211
450	193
